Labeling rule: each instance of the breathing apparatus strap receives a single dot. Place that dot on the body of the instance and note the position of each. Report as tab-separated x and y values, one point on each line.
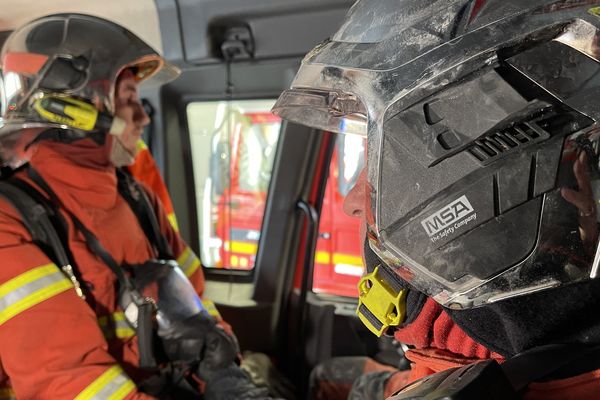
36	218
143	309
91	240
543	361
490	380
137	199
43	224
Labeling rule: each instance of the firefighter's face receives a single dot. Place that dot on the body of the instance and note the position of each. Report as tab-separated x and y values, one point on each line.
129	108
355	203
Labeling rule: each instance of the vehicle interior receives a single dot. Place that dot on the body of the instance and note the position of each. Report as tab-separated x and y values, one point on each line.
258	199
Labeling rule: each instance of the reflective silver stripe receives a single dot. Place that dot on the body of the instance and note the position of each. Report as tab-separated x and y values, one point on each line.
111	385
188	262
31	288
24	291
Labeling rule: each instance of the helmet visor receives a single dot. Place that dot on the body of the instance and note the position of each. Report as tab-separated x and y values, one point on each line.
330	111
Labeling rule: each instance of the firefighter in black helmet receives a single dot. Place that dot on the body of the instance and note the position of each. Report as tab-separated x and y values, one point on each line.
481	188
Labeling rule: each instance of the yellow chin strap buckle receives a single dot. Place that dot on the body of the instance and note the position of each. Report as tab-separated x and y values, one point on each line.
379	304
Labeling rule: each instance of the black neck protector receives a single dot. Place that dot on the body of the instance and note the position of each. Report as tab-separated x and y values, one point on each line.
565	315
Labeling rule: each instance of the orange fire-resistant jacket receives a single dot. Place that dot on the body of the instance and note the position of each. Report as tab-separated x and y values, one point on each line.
53	344
145	170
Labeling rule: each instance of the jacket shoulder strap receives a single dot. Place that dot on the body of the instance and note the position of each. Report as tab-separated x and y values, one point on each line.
38	219
138	200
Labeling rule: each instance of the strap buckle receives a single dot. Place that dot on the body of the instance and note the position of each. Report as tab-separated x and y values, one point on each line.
379	305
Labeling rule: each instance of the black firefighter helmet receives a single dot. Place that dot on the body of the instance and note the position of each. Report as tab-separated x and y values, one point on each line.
482	138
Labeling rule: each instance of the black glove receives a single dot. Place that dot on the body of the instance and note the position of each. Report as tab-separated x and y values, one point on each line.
210	353
263	373
197	340
231	383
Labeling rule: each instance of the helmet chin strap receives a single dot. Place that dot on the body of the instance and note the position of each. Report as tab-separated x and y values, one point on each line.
119	155
69	136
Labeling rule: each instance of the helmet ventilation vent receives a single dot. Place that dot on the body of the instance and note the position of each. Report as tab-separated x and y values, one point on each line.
491	146
560	121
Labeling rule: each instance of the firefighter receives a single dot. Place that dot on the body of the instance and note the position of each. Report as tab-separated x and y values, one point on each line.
480	193
71	114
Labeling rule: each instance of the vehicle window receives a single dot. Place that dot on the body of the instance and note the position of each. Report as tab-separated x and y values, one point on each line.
233	148
338	263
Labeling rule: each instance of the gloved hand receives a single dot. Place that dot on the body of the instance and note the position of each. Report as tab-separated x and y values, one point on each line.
230	383
199	340
210	353
263	373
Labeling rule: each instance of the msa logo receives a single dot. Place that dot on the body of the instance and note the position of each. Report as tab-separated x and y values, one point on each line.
448	215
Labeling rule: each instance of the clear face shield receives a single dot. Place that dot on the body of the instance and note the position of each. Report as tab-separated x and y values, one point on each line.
482	168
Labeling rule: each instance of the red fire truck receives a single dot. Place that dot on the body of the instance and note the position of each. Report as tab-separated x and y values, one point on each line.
240	171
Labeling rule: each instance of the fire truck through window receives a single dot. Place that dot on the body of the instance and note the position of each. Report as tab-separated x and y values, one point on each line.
233	149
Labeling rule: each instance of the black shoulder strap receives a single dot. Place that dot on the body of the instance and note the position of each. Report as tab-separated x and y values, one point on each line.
42	222
91	241
138	200
35	215
543	361
489	380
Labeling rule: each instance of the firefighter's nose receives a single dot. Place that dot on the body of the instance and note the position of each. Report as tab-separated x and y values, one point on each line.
354	203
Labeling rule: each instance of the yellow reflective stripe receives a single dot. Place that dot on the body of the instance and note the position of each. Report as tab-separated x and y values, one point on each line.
173	220
7	394
211	308
140	145
115	325
31	288
184	256
111	385
243	247
339	258
323	257
188	262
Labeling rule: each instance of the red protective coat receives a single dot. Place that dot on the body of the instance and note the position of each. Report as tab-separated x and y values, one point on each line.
441	344
52	344
144	169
